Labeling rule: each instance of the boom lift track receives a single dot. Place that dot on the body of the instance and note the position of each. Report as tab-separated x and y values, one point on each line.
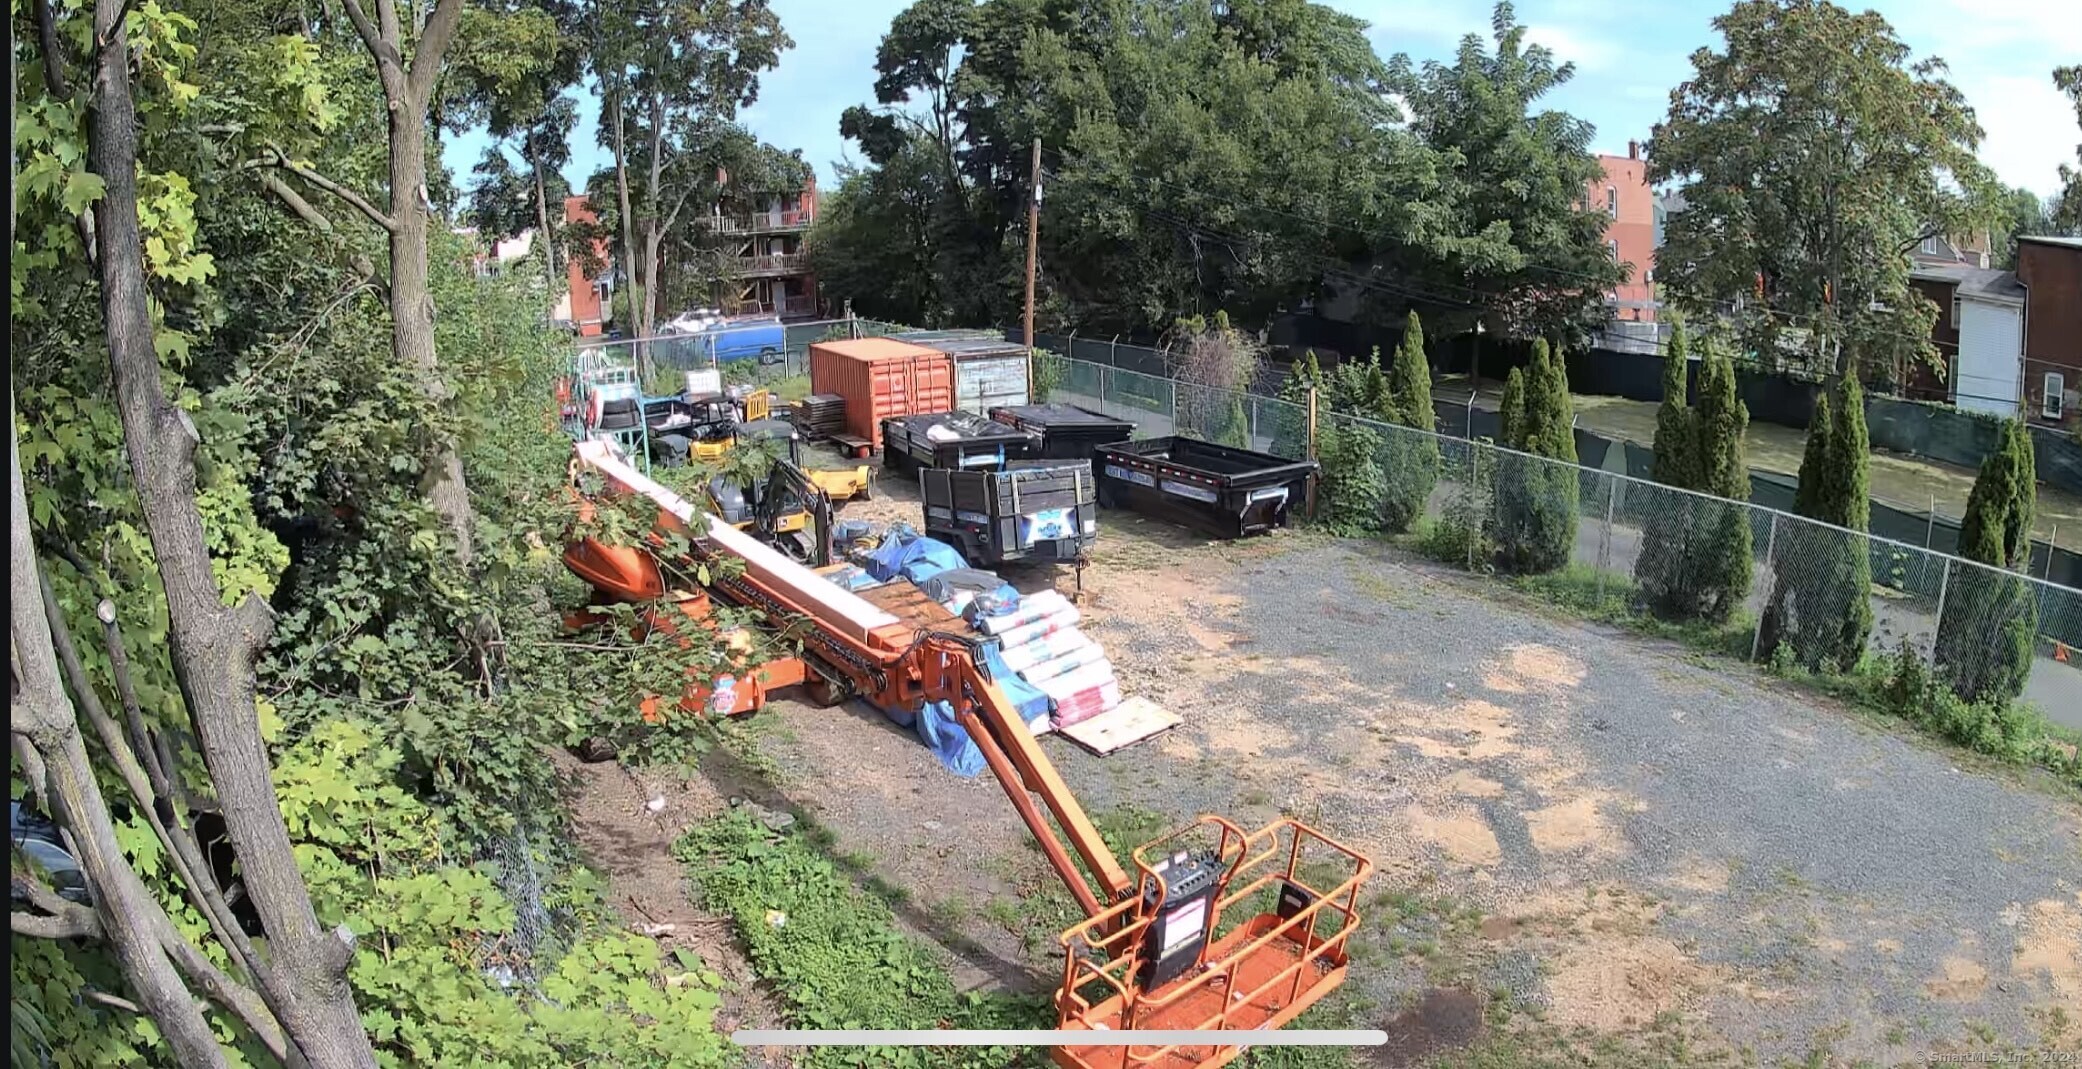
1216	928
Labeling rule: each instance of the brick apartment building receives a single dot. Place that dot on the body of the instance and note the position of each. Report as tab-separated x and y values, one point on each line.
763	231
1622	193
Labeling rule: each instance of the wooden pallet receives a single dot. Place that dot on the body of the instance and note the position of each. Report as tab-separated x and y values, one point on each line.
853	447
1122	726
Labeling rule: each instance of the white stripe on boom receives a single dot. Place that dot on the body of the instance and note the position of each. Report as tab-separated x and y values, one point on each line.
1056	1037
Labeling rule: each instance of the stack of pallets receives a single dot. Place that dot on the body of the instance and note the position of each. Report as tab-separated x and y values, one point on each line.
820	416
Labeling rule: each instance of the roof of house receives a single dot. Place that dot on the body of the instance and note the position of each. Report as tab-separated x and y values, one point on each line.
2048	239
1986	283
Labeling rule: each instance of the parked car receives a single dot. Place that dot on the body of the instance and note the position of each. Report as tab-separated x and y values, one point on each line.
692	321
37	837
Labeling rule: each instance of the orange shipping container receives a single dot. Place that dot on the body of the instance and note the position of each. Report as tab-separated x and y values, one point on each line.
881	377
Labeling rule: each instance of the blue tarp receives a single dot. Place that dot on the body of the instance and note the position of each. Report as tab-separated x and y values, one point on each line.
907	553
1026	698
953	746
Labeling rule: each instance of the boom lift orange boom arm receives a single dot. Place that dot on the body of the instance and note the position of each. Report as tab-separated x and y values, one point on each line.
1153	951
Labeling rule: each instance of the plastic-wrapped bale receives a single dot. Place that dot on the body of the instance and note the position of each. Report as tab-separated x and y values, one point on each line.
1045	647
1064	620
1082	693
1029	609
1081	657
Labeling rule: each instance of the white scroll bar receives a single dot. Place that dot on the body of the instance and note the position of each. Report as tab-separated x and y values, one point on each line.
1057	1037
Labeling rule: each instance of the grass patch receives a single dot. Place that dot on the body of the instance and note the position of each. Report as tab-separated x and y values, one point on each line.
835	954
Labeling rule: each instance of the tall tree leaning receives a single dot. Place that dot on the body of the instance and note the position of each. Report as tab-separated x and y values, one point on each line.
408	72
213	646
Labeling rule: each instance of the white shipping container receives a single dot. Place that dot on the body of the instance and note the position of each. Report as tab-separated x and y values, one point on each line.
987	381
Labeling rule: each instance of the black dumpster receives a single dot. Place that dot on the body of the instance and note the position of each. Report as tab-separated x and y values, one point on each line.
961	440
1219	489
1067	432
1029	510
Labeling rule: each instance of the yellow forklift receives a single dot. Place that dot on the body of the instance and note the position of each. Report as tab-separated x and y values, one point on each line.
839	484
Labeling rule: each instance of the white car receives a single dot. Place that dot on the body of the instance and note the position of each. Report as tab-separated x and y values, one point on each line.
691	322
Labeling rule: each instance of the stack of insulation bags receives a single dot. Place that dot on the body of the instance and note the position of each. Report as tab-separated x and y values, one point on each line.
1039	641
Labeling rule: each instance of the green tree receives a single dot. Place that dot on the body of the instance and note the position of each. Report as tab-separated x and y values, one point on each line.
672	75
2023	212
1695	561
1511	411
1290	417
1989	631
2067	211
1821	601
1533	518
1513	224
1814	152
1412	467
1353	485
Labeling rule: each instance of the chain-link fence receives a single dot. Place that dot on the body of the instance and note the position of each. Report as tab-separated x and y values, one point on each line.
1766	578
760	353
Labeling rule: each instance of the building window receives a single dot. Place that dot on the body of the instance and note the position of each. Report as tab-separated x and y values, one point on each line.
1955	311
1930	245
2055	395
1612	202
1613	245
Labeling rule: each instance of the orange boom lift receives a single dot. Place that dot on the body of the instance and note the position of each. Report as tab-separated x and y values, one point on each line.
1216	927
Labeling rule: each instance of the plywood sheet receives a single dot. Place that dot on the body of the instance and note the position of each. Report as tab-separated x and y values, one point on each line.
1124	725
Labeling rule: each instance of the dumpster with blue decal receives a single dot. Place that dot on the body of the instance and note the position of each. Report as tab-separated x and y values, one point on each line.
1225	491
1044	511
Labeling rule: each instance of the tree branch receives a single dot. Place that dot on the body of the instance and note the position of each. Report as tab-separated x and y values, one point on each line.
304	210
433	42
158	769
249	1006
53	61
68	918
354	199
115	30
384	51
81	925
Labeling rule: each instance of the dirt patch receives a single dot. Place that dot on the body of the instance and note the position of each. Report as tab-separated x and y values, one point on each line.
1571	826
1610	969
1542	666
1701	876
1461	833
1444	1019
625	822
2050	949
1469	785
1958	979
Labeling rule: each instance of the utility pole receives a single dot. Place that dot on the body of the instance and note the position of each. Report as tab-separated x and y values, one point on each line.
1033	243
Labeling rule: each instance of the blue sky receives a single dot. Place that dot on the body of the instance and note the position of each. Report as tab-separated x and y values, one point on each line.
1628	53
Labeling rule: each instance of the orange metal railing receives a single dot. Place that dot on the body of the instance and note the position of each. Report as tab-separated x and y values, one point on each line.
1106	950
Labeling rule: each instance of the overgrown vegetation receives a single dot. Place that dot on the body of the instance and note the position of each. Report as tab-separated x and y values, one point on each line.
834	953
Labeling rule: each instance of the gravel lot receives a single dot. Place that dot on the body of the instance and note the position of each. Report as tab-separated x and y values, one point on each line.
1647	838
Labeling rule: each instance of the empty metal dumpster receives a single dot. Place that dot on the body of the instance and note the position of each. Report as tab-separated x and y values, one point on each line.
1219	489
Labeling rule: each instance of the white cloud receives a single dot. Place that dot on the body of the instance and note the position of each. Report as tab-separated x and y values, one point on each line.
1588	53
2030	129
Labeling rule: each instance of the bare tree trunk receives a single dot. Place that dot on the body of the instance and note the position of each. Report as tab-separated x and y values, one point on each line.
412	303
213	646
637	329
549	240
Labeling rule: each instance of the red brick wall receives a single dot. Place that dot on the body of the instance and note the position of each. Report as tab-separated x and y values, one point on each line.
1633	229
586	312
2052	276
